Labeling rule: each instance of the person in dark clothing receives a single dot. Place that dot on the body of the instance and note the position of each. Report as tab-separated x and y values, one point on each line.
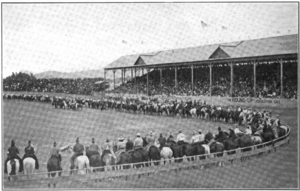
220	137
78	151
13	152
129	145
29	152
93	149
162	141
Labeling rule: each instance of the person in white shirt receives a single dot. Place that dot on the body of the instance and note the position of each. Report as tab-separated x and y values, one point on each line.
195	138
180	138
201	136
238	132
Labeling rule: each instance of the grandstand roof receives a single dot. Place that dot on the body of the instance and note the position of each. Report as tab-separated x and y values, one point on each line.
280	45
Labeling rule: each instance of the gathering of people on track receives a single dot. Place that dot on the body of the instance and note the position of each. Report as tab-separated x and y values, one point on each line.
252	128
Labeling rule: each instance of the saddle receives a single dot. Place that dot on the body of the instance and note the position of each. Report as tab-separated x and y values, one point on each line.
148	147
138	148
118	154
130	151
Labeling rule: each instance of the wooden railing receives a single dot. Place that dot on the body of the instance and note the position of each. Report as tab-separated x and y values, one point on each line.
42	177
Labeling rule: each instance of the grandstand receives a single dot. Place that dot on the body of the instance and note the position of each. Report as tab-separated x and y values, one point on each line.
252	68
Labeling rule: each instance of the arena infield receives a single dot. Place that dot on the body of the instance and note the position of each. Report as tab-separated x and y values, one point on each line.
38	122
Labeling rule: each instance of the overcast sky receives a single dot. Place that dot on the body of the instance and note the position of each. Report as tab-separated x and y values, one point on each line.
76	37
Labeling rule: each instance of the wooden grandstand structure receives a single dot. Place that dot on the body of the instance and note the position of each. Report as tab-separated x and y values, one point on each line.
280	49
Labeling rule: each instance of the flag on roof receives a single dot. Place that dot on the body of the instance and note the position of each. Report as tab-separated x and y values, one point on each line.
204	24
224	28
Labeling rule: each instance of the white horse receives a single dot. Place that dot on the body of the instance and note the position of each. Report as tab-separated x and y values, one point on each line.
13	173
82	163
256	138
166	153
29	166
193	112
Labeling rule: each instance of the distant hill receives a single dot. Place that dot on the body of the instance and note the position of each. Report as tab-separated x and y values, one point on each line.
80	74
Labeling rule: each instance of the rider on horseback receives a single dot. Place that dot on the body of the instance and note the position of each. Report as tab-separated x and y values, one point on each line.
93	149
238	132
180	138
195	137
171	138
78	151
107	149
12	153
54	152
150	138
277	121
162	141
138	142
121	144
29	152
129	145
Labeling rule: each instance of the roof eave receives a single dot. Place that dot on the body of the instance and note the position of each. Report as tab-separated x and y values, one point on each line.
210	61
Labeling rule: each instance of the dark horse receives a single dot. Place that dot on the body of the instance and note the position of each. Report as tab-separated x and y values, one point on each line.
124	158
53	166
95	160
154	154
194	150
136	156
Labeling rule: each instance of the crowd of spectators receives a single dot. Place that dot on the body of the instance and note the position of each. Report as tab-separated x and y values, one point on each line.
83	86
267	82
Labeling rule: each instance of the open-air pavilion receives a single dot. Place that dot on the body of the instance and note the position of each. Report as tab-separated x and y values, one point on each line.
278	50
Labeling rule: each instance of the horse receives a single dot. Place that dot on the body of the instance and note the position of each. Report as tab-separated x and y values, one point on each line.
108	160
13	167
95	162
53	166
216	147
177	151
154	154
137	157
82	164
166	153
124	160
257	139
193	150
193	112
29	166
244	141
282	130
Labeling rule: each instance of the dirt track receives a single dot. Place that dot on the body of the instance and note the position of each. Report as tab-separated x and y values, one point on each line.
43	125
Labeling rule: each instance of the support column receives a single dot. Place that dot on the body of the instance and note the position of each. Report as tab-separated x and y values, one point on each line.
105	75
176	84
148	81
136	90
122	80
192	80
231	79
124	76
254	78
210	79
114	71
160	72
142	71
281	79
131	74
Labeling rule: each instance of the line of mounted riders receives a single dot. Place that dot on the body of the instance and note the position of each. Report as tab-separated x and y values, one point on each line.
150	105
56	102
152	148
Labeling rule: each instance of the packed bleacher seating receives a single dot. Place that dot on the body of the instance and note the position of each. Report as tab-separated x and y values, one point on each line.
267	79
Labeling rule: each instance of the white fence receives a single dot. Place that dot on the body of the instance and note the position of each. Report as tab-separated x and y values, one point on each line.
208	159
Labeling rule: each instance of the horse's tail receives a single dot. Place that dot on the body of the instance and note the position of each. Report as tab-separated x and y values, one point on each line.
13	167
